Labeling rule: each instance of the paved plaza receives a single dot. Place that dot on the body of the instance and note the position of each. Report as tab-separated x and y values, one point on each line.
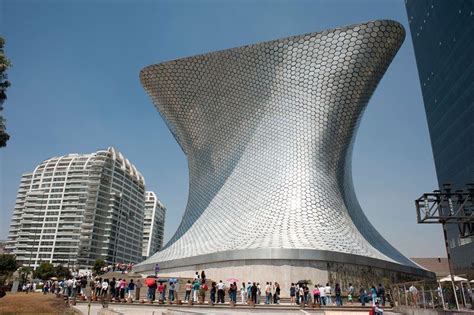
226	309
223	309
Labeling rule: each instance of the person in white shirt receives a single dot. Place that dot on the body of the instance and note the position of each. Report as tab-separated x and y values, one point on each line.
243	293
322	292
268	293
176	289
350	294
117	288
301	294
259	292
220	292
414	293
327	288
271	293
74	287
98	286
377	309
105	287
69	284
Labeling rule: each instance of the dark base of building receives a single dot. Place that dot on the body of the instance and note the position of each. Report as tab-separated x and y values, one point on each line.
286	266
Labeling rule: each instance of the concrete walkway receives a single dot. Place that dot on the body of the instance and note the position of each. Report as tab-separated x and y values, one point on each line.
136	309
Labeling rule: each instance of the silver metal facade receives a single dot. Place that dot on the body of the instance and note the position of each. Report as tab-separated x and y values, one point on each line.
268	131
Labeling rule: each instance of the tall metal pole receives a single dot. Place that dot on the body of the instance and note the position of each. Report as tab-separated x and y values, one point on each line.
424	300
450	263
399	296
406	295
442	295
463	295
432	299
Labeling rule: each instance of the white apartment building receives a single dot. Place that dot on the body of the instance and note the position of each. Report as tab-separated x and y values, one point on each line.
77	208
154	225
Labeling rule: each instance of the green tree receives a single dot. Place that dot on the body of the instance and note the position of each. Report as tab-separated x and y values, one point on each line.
98	265
44	271
4	84
8	265
24	272
62	272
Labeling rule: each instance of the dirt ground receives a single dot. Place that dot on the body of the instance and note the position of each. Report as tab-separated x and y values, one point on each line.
34	303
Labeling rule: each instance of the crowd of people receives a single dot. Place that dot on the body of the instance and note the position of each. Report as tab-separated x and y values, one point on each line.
269	293
71	287
29	287
118	289
195	290
301	293
161	289
121	267
90	287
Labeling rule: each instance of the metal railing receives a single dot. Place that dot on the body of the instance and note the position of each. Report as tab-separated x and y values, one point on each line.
431	294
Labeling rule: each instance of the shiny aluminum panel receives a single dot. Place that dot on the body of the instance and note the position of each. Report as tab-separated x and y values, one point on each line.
268	131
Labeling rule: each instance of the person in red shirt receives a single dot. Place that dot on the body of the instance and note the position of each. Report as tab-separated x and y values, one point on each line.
161	291
151	284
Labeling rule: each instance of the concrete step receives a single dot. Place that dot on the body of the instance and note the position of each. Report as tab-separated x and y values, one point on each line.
344	309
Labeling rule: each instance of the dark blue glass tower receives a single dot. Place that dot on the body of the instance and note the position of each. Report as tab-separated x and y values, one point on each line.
443	37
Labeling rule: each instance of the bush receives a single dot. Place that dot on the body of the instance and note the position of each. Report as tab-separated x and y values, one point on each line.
46	271
98	265
8	265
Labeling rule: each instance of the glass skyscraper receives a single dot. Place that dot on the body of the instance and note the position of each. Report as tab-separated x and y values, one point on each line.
443	33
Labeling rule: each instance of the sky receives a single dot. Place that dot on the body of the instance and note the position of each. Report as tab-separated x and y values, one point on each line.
75	89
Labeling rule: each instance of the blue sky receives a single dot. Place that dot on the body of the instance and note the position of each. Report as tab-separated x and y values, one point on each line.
75	88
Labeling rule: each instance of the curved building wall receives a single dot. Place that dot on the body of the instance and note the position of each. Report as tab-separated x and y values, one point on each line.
268	130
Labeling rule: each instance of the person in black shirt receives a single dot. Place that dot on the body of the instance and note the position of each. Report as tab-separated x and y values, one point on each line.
337	291
83	285
213	293
254	293
292	294
305	294
276	296
112	288
381	294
